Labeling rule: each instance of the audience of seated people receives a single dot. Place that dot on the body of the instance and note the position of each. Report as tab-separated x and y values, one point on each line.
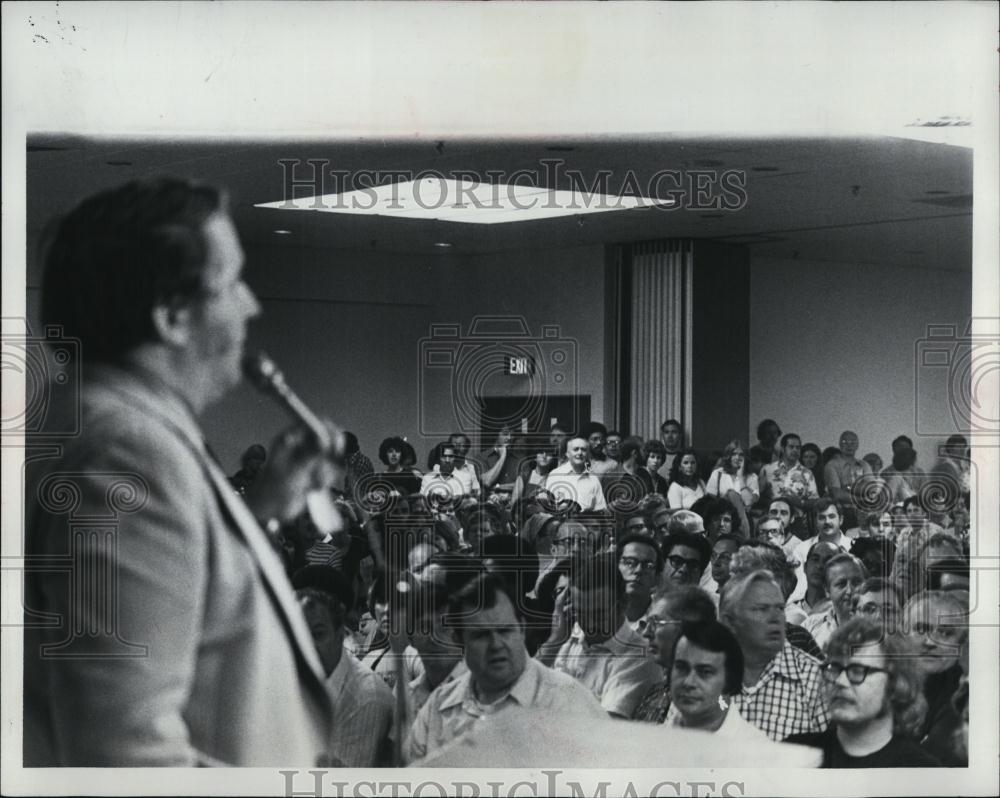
579	580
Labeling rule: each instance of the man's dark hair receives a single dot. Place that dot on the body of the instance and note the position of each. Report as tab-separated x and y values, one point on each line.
823	505
351	443
632	446
327	580
788	436
653	446
671	422
909	501
697	542
713	636
762	427
121	253
592	427
644	540
902	439
479	593
880	584
595	572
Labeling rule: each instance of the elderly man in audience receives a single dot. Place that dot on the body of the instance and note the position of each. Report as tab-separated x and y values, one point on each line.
787	478
756	556
602	651
706	672
666	613
782	686
843	575
489	624
362	703
872	692
641	563
574	481
844	470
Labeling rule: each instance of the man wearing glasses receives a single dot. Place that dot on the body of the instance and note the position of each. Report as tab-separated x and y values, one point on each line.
775	531
688	555
603	652
640	563
871	689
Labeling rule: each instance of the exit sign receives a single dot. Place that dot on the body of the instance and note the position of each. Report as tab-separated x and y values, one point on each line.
518	365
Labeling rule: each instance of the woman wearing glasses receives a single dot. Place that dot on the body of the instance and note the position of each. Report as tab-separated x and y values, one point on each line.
874	701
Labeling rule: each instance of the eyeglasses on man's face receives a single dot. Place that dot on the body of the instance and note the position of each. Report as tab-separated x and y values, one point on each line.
653	623
633	564
677	563
856	672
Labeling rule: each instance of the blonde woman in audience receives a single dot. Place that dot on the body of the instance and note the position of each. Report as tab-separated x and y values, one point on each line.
734	480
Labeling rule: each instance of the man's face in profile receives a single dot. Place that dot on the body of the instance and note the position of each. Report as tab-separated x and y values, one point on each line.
220	312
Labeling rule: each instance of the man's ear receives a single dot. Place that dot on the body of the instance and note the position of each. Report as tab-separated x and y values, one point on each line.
172	323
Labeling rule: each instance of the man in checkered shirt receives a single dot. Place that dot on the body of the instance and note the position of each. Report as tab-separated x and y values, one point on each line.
782	686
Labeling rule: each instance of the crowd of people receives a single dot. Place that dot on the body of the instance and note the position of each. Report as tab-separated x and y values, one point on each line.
177	617
751	593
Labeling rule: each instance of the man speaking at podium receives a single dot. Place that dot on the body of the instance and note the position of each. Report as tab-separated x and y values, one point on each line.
160	626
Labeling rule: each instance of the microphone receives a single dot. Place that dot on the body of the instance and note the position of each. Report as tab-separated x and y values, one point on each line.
264	374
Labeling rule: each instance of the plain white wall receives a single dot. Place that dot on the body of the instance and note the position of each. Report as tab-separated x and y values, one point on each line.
833	346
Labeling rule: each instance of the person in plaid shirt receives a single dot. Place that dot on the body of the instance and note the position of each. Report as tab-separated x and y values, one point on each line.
782	690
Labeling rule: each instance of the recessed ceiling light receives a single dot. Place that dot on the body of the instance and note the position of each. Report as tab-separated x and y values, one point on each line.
466	201
442	244
282	232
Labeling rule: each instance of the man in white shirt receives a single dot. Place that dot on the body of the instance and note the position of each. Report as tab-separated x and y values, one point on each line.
362	702
787	478
445	485
573	480
465	468
603	652
501	677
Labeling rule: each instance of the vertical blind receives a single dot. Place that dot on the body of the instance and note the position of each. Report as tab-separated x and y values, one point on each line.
659	351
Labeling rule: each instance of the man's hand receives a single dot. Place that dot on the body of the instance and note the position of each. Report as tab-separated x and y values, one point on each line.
295	466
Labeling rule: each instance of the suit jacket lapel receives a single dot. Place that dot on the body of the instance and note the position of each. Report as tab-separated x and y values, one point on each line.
171	411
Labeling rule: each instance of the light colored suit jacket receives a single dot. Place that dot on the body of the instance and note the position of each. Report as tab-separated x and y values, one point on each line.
162	629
